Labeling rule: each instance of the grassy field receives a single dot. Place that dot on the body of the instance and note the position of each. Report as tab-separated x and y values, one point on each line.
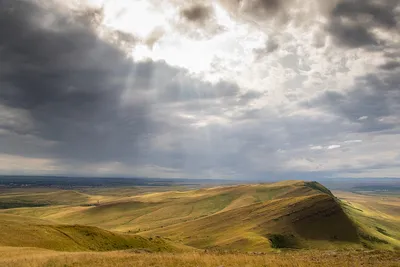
291	223
28	257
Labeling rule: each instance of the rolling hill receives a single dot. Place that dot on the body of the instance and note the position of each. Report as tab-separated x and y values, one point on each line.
315	221
255	217
20	231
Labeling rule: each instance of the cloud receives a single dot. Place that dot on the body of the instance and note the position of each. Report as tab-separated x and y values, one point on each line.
355	23
74	97
373	97
352	35
197	13
260	10
192	98
197	20
350	23
154	37
316	147
352	141
391	65
363	118
270	46
333	147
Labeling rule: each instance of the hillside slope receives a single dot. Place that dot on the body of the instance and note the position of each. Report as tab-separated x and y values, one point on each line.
150	211
255	217
21	231
315	221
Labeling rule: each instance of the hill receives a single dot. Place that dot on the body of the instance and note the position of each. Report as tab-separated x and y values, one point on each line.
290	223
315	221
138	213
259	217
22	231
377	218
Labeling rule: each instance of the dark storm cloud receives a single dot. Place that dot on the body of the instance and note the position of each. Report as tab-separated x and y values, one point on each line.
69	81
373	98
197	20
391	65
197	13
352	35
84	99
260	10
352	22
379	12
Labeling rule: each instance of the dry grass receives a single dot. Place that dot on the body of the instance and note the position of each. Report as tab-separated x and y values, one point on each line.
236	218
304	215
304	222
34	258
18	231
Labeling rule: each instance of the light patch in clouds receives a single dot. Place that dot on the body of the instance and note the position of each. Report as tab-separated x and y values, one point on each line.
333	147
23	165
352	141
316	148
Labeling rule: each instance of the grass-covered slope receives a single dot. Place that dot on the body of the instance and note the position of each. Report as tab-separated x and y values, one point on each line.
315	221
157	210
258	217
27	232
377	219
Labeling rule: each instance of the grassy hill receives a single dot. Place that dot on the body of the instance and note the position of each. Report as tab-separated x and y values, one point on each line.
377	218
153	210
315	221
22	231
251	217
288	214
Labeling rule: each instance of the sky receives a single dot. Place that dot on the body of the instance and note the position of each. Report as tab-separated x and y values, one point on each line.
238	89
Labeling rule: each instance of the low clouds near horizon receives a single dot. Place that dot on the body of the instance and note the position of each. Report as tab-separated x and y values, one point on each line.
200	89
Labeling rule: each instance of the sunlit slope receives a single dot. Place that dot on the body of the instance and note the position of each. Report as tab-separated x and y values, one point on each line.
157	210
315	221
22	231
377	218
289	214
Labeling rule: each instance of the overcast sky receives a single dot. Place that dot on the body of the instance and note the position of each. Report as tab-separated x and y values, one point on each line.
250	89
